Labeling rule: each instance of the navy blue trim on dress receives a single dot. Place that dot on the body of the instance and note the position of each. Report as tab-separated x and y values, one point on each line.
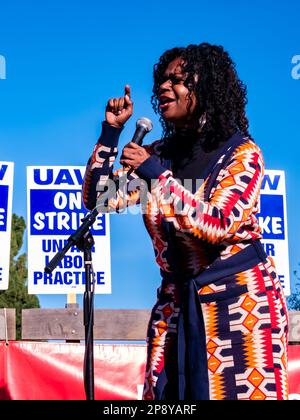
110	135
248	258
236	140
214	168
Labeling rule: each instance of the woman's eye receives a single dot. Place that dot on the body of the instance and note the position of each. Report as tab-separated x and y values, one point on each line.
175	79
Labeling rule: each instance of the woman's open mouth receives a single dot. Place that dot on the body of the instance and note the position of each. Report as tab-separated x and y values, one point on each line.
165	102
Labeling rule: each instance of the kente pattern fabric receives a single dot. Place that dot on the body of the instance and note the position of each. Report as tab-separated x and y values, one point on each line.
219	327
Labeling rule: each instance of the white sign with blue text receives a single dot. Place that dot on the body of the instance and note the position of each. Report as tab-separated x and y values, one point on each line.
273	221
6	193
55	211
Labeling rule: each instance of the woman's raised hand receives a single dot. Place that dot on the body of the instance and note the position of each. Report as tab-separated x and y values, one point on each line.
119	110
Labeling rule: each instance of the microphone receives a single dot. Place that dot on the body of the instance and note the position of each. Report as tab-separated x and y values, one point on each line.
143	126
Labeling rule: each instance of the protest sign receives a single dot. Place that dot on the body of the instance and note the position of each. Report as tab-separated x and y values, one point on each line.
6	193
55	211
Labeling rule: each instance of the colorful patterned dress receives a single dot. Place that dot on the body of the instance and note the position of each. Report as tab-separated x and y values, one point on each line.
218	330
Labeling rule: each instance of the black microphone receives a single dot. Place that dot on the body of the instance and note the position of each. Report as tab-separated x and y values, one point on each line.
143	126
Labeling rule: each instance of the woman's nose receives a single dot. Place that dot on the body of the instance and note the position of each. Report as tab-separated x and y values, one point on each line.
165	86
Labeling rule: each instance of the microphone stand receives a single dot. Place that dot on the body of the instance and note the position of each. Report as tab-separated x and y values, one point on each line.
84	241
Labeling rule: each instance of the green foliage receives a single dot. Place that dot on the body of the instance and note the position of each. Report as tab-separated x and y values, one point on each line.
17	296
293	301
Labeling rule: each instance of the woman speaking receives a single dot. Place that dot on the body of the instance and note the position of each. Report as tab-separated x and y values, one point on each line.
219	327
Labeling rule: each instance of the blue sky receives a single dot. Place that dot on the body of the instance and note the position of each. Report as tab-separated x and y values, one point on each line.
65	59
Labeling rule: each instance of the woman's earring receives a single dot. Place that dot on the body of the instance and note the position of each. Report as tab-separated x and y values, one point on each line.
202	122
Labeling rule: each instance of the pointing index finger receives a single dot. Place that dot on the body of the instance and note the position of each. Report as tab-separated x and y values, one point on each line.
127	90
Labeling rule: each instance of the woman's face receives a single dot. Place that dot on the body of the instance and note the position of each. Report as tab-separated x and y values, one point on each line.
176	104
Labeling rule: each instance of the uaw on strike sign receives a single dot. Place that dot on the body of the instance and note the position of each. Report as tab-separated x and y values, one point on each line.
273	221
6	188
55	211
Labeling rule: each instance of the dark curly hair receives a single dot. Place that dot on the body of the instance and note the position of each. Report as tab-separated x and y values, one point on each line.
219	91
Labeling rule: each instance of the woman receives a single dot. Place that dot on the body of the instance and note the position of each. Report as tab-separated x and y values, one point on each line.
219	327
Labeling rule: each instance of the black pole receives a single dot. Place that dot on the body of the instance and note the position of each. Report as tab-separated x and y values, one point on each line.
84	241
88	320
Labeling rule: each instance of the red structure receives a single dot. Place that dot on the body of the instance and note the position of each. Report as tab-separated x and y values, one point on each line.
53	371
